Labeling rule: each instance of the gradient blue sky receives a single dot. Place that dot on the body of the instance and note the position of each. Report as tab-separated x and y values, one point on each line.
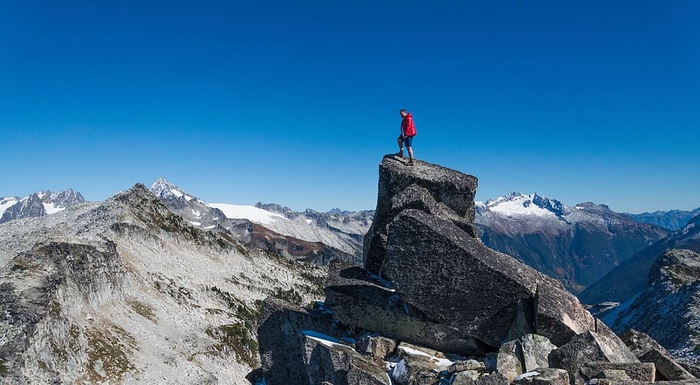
295	102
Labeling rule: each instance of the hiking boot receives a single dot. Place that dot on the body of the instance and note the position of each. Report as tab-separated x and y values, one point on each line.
399	154
410	163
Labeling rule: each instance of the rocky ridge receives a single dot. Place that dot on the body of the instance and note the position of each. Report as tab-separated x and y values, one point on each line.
309	236
433	305
668	309
125	291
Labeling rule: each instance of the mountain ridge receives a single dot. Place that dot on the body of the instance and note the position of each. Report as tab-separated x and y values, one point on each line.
126	291
38	204
575	244
628	279
309	235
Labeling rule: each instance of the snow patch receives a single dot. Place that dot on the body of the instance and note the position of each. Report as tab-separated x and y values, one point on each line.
526	375
179	194
414	352
52	208
323	339
6	203
250	213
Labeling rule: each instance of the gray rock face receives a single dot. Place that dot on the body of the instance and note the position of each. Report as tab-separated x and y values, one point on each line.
509	361
648	350
90	271
436	268
493	379
448	188
547	376
536	350
637	371
589	347
359	298
362	373
377	347
283	348
467	377
332	362
415	370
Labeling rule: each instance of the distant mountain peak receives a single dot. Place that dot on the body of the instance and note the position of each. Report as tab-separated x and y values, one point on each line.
518	204
38	204
164	189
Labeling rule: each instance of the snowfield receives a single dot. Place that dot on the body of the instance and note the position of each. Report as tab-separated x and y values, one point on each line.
250	213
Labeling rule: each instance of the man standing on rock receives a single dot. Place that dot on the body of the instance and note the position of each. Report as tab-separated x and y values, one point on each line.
408	131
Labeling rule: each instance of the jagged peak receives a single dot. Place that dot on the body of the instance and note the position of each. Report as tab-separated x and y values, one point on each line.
166	190
63	198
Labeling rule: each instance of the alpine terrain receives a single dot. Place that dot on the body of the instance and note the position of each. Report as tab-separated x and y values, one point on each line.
310	235
575	244
668	309
124	291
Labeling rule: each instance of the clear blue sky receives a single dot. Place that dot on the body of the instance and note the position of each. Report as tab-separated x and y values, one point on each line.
295	102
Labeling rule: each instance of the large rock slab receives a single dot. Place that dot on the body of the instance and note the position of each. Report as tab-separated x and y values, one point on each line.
328	361
456	281
646	349
359	298
376	346
547	376
636	371
448	188
362	373
509	361
282	344
536	350
415	370
589	347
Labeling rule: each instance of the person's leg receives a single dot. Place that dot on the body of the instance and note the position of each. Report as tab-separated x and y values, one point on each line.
408	142
400	142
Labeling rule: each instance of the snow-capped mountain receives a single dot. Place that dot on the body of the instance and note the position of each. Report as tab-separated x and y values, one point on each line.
309	235
575	244
38	204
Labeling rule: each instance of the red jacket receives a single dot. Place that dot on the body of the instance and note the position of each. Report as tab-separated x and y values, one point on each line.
407	126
